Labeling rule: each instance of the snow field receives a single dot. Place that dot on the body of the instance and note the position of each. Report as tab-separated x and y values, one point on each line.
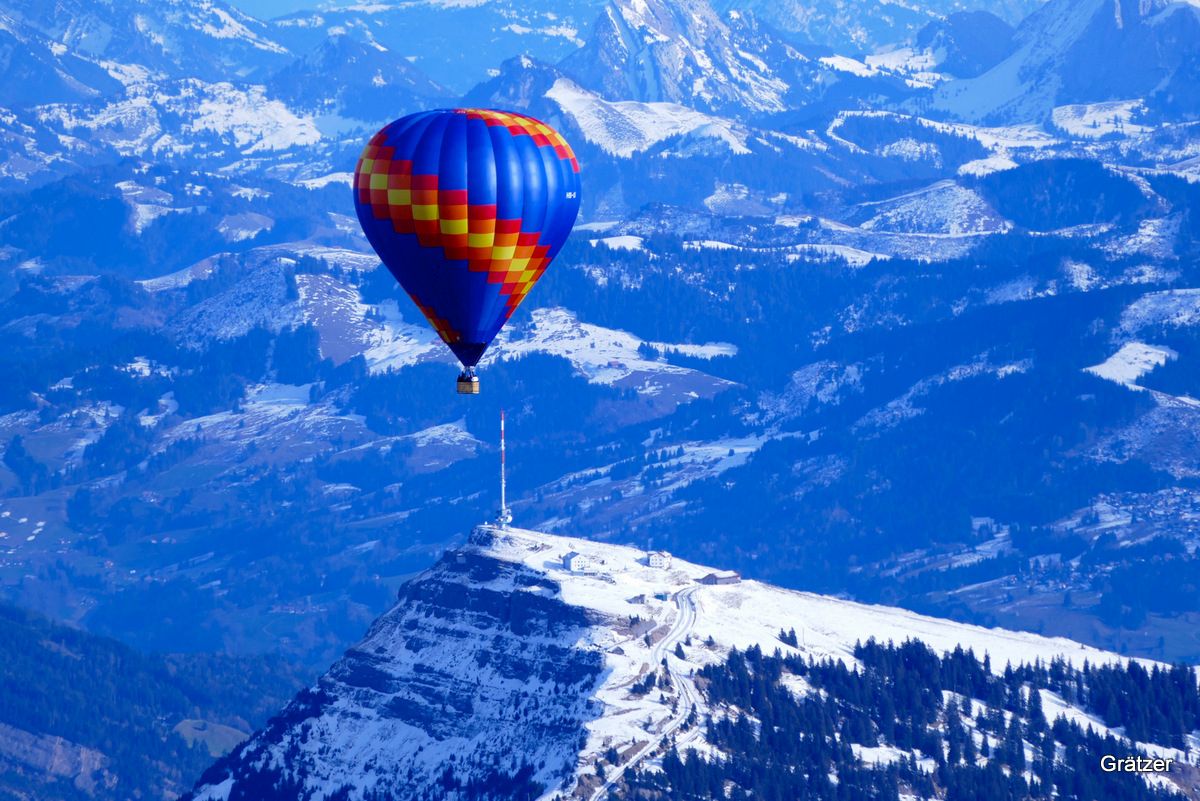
626	127
1131	362
733	616
1094	120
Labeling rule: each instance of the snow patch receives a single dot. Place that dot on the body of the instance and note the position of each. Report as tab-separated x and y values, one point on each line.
241	227
1131	362
602	355
255	122
987	166
346	178
1094	120
941	208
619	242
850	65
626	127
1174	308
854	257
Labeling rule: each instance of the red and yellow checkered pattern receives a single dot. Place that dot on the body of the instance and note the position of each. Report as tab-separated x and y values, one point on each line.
519	125
444	330
443	218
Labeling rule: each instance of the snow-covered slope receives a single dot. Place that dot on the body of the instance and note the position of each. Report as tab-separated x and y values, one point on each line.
184	119
38	69
352	75
865	26
458	42
679	51
1084	51
942	208
626	127
501	662
204	38
1131	362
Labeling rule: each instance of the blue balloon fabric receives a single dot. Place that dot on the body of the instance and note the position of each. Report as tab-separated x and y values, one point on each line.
467	208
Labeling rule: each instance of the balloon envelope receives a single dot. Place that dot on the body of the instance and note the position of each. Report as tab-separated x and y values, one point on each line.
466	208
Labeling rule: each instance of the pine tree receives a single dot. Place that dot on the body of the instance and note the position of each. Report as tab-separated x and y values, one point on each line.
1035	715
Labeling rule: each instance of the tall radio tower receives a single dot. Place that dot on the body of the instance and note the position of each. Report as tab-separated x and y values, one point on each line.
505	516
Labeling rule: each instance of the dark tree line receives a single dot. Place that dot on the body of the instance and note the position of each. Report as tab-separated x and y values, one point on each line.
961	730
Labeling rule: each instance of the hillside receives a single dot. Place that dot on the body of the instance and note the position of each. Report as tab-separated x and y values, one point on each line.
501	674
85	717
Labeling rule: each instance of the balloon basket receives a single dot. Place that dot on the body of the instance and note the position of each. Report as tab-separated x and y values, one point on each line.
468	384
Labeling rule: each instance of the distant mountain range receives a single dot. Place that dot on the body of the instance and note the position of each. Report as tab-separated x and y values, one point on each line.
202	39
862	29
1084	52
911	320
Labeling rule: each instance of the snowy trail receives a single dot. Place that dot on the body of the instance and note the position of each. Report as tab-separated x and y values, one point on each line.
689	696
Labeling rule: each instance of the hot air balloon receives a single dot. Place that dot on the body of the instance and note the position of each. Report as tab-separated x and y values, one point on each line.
467	207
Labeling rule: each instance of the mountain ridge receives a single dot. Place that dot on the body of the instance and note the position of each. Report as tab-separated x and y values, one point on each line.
505	672
185	38
1084	51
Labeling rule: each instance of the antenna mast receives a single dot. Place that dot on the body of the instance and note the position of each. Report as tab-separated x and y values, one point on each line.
505	513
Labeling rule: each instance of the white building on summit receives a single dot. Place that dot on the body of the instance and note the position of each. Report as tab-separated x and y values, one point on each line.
659	559
579	563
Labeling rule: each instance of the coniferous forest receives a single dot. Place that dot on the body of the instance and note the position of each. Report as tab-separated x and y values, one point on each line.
938	726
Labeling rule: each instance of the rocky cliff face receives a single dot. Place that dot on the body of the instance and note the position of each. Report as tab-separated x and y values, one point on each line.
683	52
475	683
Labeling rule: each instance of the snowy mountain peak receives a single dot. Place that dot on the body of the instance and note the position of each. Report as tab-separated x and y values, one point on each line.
183	38
350	73
678	51
514	659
